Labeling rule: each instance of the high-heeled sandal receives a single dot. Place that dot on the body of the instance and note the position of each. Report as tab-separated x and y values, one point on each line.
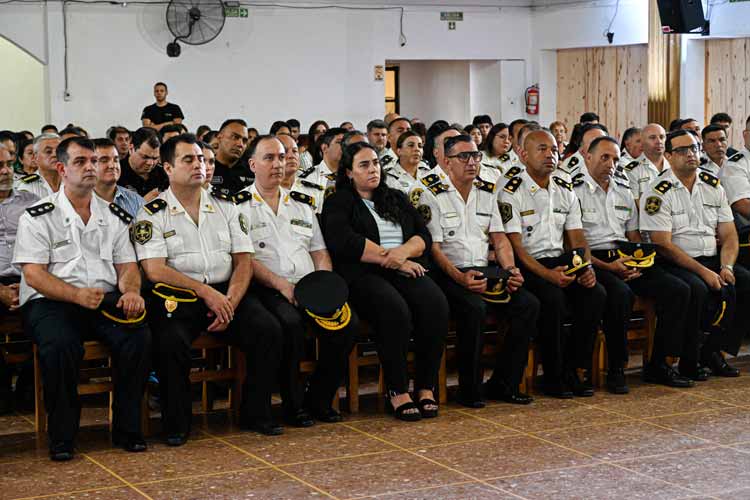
400	412
428	412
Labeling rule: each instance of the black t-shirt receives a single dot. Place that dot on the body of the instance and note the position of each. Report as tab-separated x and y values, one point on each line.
157	179
162	114
231	180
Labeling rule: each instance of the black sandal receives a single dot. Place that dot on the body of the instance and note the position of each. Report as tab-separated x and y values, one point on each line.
400	412
428	412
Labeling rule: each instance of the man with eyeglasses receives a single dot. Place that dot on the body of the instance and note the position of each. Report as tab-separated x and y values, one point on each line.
715	146
539	211
140	170
684	210
463	217
231	174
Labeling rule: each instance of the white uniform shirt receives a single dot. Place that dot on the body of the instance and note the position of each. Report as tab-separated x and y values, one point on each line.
11	209
572	165
388	158
305	161
735	176
202	252
283	240
692	218
711	167
493	169
35	184
642	174
318	182
462	227
606	216
82	255
540	215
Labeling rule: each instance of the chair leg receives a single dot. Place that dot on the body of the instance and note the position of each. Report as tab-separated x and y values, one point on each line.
40	414
239	379
443	380
381	388
530	371
336	401
352	386
145	414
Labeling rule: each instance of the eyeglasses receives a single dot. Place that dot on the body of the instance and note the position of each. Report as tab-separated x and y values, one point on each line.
466	155
685	150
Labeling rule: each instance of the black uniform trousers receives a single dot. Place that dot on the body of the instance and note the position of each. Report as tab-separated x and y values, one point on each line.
469	311
561	350
5	370
671	296
400	308
728	340
333	352
59	329
254	330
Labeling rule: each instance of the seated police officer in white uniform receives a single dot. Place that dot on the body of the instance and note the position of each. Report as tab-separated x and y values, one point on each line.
46	180
395	128
196	251
405	173
572	165
735	177
715	146
74	248
644	169
319	181
288	246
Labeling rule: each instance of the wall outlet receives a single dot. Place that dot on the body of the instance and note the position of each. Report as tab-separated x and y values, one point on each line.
67	96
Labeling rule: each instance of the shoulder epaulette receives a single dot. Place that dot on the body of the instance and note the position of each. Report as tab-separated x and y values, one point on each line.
512	185
573	162
663	172
704	161
577	182
504	157
484	185
153	207
562	182
709	179
663	187
438	188
619	174
330	177
429	180
391	174
310	184
489	165
630	166
512	172
121	213
30	178
305	173
386	159
622	183
242	197
218	193
736	157
302	198
42	209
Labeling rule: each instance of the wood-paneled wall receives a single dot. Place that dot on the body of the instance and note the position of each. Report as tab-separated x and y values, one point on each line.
728	82
610	81
664	71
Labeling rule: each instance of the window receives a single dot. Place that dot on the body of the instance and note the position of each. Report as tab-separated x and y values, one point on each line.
391	89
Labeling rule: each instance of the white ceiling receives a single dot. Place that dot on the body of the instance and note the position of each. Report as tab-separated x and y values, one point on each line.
440	3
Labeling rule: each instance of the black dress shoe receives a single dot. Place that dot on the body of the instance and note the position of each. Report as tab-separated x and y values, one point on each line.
129	441
470	401
720	367
616	381
177	439
501	392
327	415
664	374
300	419
61	451
694	372
267	427
581	388
517	398
558	390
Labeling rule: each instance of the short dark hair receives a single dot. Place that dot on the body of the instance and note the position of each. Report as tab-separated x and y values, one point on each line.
419	128
294	123
49	126
721	117
22	143
348	136
254	145
7	135
72	129
175	127
399	119
202	130
210	135
451	142
62	149
117	129
468	129
402	138
515	123
479	119
673	135
376	124
205	145
605	138
103	143
231	121
147	135
675	124
712	128
166	152
278	125
344	123
162	84
628	134
328	136
588	116
252	129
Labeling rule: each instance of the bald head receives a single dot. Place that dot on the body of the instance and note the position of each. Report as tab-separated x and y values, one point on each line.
653	137
536	137
539	153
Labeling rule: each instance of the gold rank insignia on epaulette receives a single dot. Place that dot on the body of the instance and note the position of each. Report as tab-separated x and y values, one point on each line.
303	198
429	180
484	185
504	157
512	185
630	166
438	188
305	173
577	182
121	213
331	177
42	209
709	179
512	172
415	195
311	184
242	197
218	193
737	157
562	182
153	207
30	178
573	162
663	187
329	191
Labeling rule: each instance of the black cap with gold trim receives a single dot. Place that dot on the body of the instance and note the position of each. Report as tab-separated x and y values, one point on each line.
576	261
638	254
497	280
743	257
323	296
108	308
719	310
173	297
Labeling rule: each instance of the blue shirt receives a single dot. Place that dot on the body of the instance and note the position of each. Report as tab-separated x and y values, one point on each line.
391	234
129	200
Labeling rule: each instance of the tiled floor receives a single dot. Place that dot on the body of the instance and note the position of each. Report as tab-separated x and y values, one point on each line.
655	443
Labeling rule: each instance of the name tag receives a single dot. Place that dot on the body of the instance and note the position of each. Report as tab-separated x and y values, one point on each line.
450	215
711	206
61	244
170	233
300	223
623	207
588	210
483	214
528	212
258	225
559	211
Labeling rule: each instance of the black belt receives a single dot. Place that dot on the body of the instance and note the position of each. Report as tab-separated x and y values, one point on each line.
606	255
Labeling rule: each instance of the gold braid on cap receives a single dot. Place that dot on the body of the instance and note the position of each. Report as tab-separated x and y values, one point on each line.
338	321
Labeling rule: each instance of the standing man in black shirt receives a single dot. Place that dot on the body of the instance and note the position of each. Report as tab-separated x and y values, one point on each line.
140	170
161	113
232	174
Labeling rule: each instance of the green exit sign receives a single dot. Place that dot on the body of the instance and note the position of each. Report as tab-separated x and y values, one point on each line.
451	16
235	11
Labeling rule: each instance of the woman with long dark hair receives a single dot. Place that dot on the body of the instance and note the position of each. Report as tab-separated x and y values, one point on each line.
379	243
312	156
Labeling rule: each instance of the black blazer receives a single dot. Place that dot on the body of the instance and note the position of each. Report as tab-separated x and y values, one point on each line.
347	223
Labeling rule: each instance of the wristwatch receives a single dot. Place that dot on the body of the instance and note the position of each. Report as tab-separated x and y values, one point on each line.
729	267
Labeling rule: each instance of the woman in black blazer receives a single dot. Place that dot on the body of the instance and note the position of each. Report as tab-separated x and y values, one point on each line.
379	244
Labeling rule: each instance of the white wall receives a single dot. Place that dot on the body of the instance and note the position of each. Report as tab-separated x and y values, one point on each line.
22	85
485	89
433	90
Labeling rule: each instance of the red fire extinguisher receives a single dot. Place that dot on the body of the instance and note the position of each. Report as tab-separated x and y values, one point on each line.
532	100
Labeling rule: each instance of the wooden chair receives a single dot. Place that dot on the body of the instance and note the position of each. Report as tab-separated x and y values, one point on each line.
209	369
